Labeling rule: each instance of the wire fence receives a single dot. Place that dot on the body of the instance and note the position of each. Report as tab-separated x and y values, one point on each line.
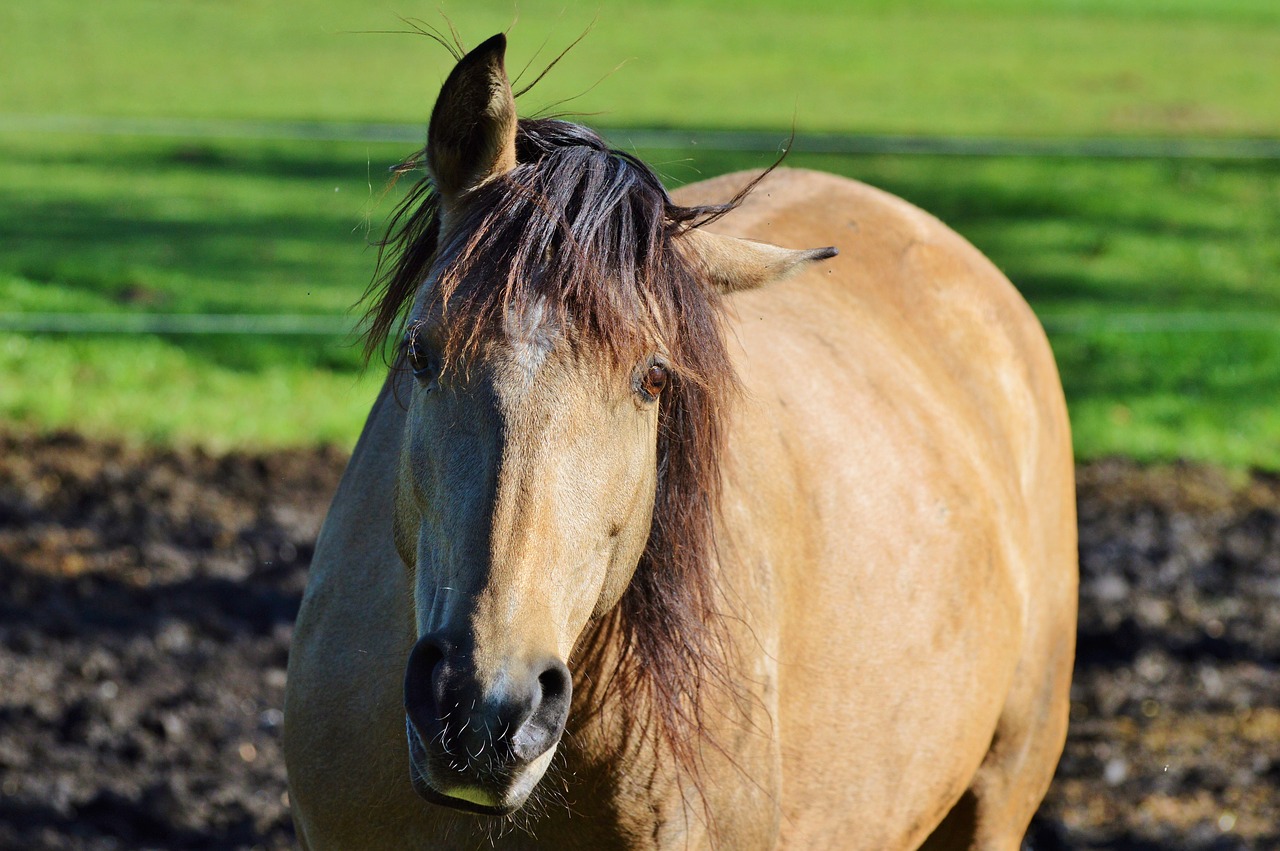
332	325
760	141
313	325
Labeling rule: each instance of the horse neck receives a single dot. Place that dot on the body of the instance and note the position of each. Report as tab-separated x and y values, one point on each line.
613	768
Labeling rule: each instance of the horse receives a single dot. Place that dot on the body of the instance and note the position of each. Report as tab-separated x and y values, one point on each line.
662	535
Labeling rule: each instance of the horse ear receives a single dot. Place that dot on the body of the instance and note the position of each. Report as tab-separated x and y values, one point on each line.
472	135
731	264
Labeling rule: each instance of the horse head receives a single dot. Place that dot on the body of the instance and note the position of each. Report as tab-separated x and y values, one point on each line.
558	464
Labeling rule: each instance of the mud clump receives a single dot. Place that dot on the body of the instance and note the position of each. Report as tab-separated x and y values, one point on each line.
146	605
1175	704
147	599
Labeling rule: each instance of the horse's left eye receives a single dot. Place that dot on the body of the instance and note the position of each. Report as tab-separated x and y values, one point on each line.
653	380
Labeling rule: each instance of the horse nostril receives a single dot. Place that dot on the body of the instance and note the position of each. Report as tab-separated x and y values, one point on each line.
542	728
555	682
421	677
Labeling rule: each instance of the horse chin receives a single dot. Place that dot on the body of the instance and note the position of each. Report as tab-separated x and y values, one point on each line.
471	797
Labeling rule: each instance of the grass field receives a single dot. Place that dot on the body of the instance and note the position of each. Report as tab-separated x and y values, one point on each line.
1030	67
103	224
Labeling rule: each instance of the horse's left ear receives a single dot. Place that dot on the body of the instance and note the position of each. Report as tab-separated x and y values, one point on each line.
472	136
730	264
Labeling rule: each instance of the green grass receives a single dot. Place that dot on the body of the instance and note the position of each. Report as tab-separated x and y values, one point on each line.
102	224
171	227
258	227
1036	67
187	227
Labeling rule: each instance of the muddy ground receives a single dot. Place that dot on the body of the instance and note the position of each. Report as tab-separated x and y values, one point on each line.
147	598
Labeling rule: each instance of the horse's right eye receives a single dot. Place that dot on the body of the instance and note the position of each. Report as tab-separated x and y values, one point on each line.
420	359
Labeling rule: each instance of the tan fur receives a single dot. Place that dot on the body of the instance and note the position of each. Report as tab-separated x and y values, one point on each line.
731	264
897	559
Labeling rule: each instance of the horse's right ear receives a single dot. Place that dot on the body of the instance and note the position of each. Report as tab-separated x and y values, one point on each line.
731	264
472	135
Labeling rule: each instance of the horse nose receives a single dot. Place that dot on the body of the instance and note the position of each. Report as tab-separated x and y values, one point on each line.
515	718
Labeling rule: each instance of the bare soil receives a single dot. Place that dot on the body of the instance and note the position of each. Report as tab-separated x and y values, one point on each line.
147	599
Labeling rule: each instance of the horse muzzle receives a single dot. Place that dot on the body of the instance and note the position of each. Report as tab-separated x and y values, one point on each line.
479	746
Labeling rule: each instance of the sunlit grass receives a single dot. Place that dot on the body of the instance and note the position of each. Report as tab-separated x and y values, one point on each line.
154	390
1023	67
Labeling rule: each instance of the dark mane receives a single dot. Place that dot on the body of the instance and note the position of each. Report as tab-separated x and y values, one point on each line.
592	233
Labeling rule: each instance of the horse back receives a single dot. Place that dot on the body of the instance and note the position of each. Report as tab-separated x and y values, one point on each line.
900	474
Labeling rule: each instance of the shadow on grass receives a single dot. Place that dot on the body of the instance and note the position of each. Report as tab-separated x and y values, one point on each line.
270	160
83	236
1069	232
1084	236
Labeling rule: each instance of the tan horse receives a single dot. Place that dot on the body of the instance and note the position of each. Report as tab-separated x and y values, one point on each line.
644	546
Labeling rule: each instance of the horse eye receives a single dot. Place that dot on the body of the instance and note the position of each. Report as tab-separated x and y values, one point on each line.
419	358
653	380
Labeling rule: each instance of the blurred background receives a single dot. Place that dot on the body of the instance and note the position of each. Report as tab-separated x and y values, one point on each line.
189	190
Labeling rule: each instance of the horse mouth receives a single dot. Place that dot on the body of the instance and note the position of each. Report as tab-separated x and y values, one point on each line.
470	797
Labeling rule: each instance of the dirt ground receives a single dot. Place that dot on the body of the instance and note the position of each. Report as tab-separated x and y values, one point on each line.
147	600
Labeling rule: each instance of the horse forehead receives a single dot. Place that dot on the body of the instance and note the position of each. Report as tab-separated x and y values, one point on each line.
537	374
530	333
